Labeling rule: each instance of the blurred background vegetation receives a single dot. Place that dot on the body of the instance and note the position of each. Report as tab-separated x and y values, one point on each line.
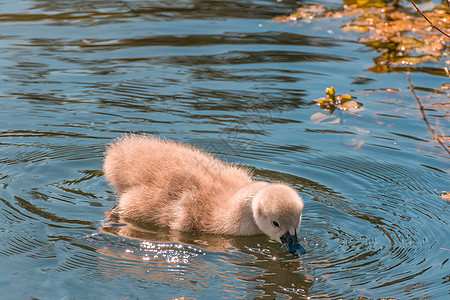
401	36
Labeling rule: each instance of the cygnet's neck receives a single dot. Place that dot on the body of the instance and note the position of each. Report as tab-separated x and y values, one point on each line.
238	212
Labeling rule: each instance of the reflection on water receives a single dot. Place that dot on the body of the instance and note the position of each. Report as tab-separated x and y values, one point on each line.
223	77
244	266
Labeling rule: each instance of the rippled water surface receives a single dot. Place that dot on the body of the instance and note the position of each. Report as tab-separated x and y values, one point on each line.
220	75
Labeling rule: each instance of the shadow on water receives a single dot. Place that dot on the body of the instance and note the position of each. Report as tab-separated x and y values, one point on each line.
118	11
223	77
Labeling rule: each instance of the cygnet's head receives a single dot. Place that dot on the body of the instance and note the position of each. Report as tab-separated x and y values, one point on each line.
277	209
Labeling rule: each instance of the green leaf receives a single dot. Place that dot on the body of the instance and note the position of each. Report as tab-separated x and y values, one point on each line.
331	93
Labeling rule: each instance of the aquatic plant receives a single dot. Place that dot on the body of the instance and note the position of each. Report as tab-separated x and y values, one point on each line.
403	37
333	101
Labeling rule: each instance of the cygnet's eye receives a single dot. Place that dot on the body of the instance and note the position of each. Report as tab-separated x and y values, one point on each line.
275	223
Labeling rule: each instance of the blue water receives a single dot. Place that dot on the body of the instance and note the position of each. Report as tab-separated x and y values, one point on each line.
224	77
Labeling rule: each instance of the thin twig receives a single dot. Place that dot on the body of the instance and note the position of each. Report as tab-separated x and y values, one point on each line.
432	25
424	117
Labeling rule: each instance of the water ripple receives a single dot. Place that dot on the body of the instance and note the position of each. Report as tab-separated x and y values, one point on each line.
219	75
383	212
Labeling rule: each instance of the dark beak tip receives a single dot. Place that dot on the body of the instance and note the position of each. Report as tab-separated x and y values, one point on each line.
296	249
292	243
299	250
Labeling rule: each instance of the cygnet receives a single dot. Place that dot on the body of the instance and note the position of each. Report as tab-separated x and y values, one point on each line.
181	187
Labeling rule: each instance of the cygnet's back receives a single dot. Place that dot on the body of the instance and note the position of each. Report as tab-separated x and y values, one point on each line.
135	159
169	183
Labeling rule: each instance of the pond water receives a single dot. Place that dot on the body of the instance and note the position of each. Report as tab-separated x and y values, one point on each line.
224	77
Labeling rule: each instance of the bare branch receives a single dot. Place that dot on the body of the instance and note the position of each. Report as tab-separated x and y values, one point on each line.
432	25
424	117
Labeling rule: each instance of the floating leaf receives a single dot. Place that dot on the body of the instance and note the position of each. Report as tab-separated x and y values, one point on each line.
346	96
367	3
445	86
355	28
350	105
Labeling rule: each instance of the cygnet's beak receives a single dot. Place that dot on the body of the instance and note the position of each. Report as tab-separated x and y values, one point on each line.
292	243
